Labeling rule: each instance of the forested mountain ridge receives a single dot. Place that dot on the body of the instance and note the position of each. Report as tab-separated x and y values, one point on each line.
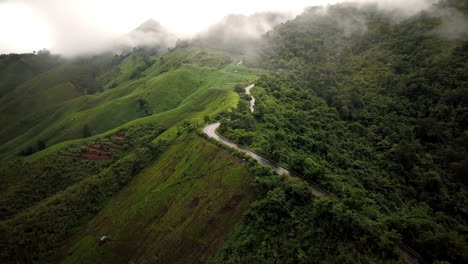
374	109
240	34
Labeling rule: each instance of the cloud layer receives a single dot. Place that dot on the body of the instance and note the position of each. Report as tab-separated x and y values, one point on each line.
88	26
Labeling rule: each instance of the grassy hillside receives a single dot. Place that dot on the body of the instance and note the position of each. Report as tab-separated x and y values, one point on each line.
48	197
179	209
52	107
15	69
49	97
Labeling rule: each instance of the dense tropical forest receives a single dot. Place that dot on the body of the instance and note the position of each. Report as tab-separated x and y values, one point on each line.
369	104
377	116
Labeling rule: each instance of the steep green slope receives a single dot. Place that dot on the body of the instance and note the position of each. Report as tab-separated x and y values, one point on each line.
42	204
179	209
49	94
34	235
51	108
15	69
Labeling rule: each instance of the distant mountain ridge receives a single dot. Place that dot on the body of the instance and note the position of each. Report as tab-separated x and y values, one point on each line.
238	33
149	34
150	25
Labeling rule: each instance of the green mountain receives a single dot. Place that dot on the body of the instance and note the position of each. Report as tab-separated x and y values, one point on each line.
105	92
93	100
18	68
103	158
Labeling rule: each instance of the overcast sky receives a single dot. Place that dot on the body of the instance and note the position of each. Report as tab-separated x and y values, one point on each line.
27	25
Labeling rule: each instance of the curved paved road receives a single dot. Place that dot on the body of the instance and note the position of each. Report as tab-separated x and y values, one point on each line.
210	130
408	254
252	101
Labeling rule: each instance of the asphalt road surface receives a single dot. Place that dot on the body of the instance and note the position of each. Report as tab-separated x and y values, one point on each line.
252	101
210	130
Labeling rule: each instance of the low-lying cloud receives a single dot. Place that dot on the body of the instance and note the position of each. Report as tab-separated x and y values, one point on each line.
87	26
404	7
236	33
454	23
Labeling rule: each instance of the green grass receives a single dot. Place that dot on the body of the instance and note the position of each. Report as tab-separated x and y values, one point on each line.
178	210
212	96
183	83
19	68
189	199
48	94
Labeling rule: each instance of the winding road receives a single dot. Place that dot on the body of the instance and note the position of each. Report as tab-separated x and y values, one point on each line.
406	252
252	101
210	130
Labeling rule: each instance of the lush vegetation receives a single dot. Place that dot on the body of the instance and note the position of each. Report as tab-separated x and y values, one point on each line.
179	209
289	225
48	196
18	68
377	115
369	104
103	92
66	200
